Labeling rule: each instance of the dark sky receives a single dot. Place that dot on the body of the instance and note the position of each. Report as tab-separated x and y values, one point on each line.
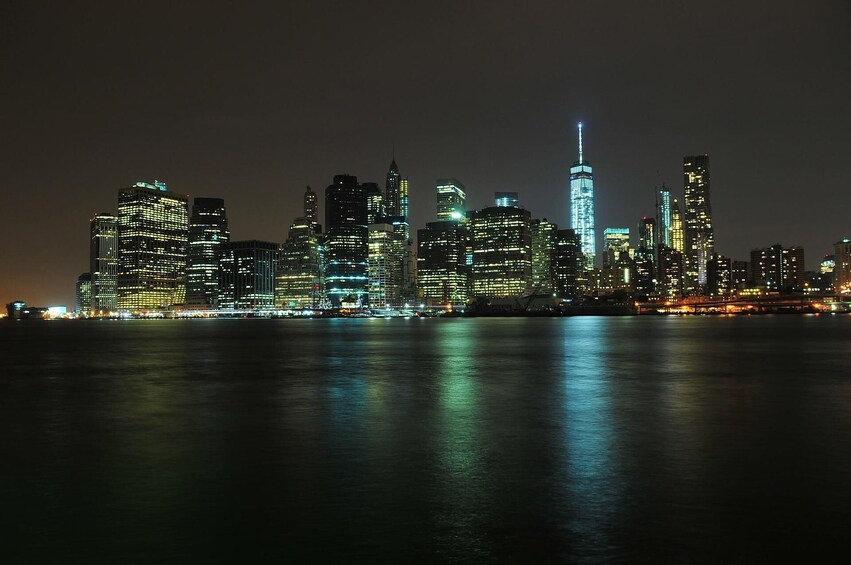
253	102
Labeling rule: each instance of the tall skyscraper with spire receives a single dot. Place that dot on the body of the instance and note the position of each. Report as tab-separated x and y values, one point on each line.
699	234
391	190
582	205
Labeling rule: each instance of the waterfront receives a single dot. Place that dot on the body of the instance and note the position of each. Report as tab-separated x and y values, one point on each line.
524	439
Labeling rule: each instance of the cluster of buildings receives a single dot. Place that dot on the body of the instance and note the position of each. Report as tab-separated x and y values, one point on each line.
158	253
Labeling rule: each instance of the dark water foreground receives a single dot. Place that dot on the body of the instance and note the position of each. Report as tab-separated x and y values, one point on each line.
526	440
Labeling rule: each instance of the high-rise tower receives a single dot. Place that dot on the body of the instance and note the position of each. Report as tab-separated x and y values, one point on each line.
153	226
391	190
677	230
699	235
346	250
451	199
663	216
582	205
103	264
311	207
208	229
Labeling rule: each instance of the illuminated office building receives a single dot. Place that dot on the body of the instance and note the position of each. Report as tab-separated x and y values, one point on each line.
647	234
208	229
670	274
443	275
568	263
501	239
778	268
386	266
311	207
392	191
617	271
84	294
582	205
247	275
103	264
615	242
451	200
346	243
506	199
298	282
374	203
699	234
678	235
543	256
663	216
153	231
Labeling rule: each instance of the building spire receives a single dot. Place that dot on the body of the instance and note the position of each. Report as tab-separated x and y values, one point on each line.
580	143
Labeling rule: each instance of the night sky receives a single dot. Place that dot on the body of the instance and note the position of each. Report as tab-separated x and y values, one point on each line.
253	103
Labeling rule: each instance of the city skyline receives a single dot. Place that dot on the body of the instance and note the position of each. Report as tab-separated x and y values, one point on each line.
256	139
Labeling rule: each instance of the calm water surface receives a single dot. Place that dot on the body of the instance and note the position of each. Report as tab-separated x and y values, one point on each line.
565	439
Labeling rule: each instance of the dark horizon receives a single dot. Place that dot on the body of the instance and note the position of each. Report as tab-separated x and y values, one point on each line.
253	106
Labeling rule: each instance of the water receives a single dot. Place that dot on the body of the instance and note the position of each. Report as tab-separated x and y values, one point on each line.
538	439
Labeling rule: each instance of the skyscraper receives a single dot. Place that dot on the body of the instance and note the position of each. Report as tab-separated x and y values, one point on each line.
699	234
298	282
311	206
501	239
386	266
568	263
374	203
391	190
247	275
582	205
346	243
663	216
153	230
443	276
543	256
678	237
84	294
615	242
103	264
208	229
451	199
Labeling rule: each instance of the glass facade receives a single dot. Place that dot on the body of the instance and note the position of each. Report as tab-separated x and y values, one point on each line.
568	263
84	294
208	229
153	232
386	266
451	200
247	275
346	243
103	264
502	252
582	206
443	276
699	234
509	199
663	216
543	255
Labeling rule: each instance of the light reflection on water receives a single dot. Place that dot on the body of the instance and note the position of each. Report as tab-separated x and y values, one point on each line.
583	439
